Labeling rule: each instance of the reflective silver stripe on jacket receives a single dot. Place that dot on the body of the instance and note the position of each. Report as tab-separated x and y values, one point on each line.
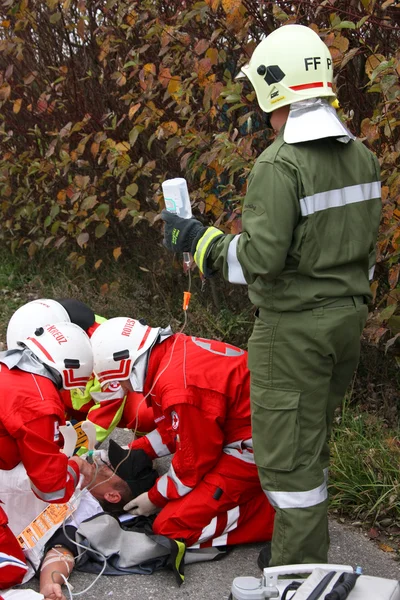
157	444
340	197
162	483
58	494
298	499
242	450
50	496
235	271
75	477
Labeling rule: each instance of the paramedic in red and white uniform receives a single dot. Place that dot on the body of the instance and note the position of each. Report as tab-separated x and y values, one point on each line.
53	357
106	408
199	392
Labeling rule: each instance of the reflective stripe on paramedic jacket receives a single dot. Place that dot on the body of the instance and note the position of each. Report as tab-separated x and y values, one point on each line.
202	411
308	231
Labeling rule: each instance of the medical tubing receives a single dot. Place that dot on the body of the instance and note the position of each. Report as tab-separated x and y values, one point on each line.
317	591
78	545
343	587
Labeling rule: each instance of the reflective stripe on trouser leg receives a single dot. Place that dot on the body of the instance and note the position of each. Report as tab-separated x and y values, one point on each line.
292	359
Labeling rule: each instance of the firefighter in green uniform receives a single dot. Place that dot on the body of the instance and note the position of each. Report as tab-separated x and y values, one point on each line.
310	221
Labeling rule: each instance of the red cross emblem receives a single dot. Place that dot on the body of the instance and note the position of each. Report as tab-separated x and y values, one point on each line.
175	420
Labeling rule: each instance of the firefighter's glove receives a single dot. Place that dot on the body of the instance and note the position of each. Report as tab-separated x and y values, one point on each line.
181	235
141	505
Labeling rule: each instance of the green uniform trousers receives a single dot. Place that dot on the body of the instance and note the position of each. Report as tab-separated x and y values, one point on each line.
301	364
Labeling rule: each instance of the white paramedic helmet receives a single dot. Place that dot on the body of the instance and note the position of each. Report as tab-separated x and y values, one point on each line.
117	344
66	348
292	63
32	315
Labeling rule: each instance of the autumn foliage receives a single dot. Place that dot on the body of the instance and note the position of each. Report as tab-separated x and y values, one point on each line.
101	100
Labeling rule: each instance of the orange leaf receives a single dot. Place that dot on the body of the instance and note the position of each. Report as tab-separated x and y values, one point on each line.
5	91
17	106
230	6
117	253
372	62
164	76
214	205
374	287
174	85
213	4
341	43
168	128
386	548
61	196
212	54
133	109
384	192
97	264
94	149
394	275
150	68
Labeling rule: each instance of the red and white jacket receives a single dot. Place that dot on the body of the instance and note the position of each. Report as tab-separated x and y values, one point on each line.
200	395
31	412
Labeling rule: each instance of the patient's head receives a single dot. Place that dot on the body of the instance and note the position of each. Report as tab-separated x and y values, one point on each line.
123	475
110	490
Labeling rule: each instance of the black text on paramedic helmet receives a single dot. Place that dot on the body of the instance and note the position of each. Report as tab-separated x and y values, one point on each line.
66	348
117	344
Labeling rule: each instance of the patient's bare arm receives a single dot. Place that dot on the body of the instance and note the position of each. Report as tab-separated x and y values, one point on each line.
58	562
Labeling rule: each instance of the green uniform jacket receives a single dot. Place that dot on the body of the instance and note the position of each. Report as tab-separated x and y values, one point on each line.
310	223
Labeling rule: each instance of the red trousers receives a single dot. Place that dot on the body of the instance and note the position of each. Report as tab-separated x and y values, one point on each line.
228	507
12	561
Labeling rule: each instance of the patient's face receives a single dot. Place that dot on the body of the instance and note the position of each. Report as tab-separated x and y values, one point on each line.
106	482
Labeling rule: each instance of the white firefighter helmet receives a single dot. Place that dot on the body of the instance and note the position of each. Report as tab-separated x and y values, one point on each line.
117	344
292	63
32	315
66	348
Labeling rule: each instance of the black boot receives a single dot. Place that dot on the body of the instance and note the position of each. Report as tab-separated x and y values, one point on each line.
264	557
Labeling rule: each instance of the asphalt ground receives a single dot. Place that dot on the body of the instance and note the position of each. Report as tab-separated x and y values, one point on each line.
213	580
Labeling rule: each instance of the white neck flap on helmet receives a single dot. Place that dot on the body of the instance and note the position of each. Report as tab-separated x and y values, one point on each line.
314	119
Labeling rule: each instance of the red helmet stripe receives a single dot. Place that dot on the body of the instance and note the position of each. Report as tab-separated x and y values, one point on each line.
69	379
146	335
113	375
307	86
41	348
